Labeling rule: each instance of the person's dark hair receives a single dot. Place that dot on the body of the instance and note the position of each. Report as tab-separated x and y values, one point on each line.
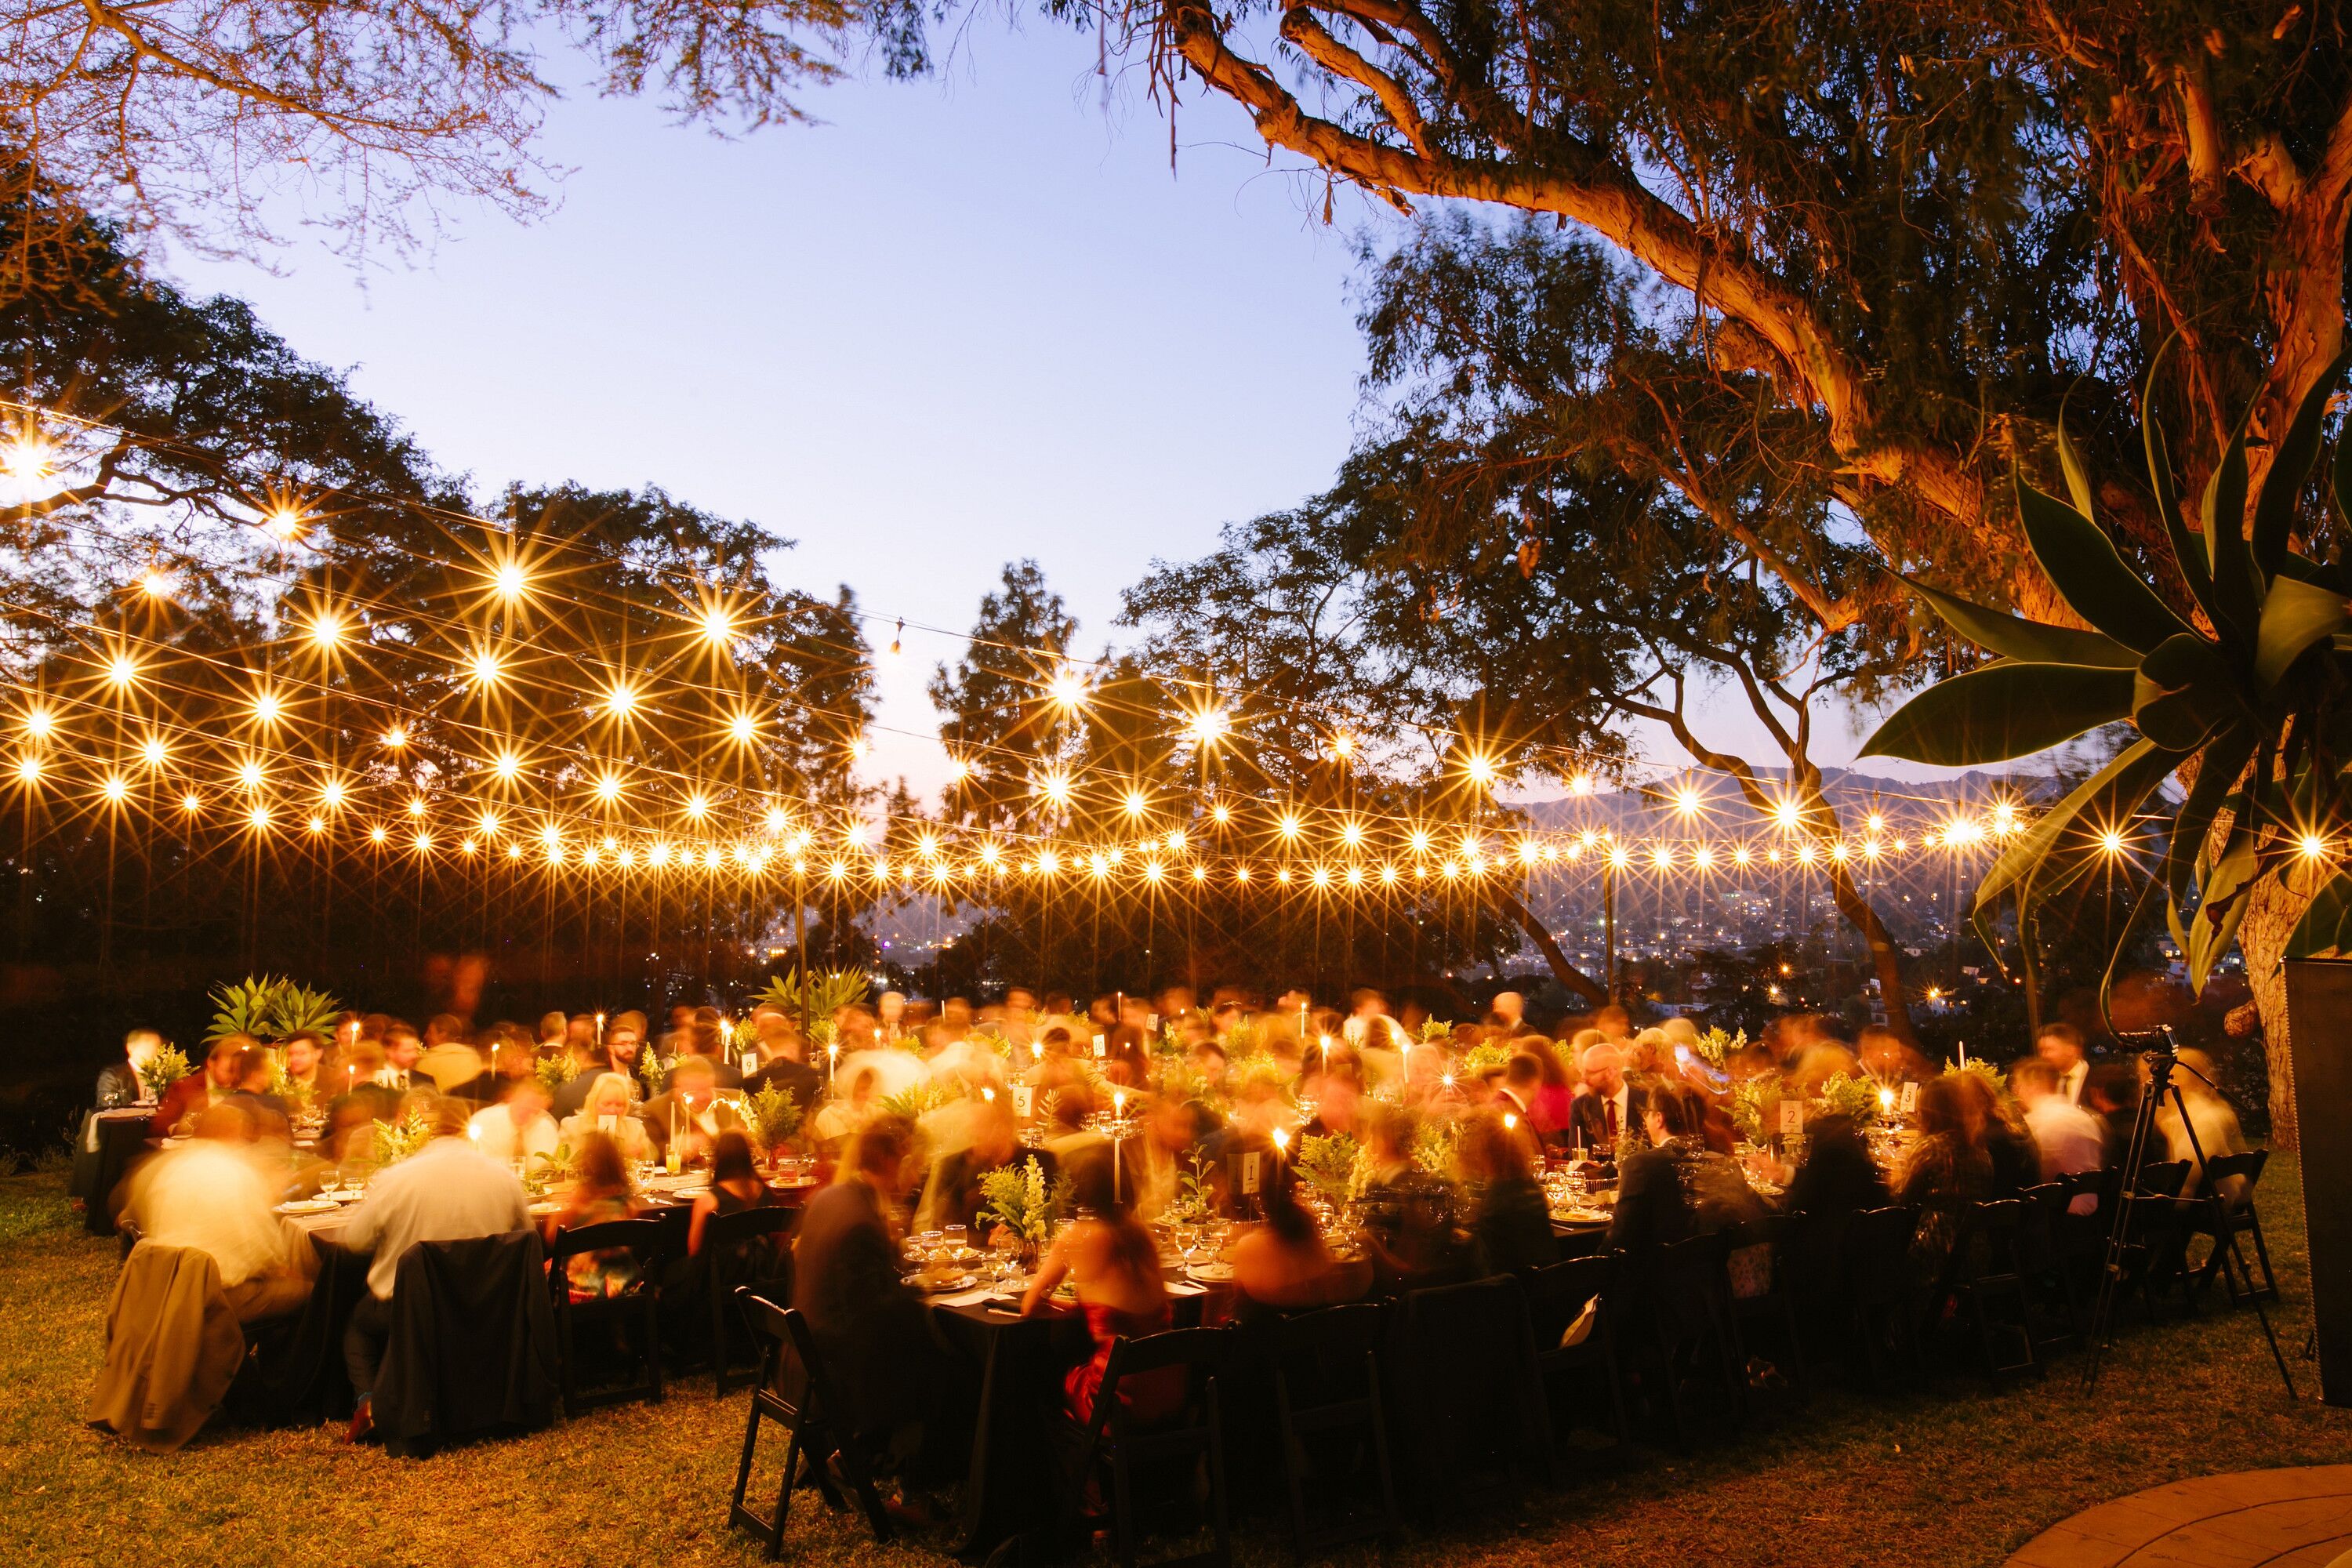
250	1060
448	1025
1093	1187
1209	1047
730	1158
598	1169
632	1020
2114	1083
1285	1217
883	1141
2065	1034
1490	1151
1834	1134
1523	1071
1072	1106
1944	1107
1679	1109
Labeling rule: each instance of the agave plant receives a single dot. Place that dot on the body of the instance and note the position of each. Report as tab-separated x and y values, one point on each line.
2249	707
816	996
270	1009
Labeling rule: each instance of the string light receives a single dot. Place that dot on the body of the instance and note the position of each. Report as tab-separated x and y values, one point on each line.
122	671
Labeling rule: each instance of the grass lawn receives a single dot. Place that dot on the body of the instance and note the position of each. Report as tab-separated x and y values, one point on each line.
1957	1476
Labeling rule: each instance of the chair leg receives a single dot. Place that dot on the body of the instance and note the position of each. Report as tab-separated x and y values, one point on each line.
784	1498
743	1465
1122	1507
566	1342
1220	1511
1292	1464
2254	1227
1615	1372
1390	1520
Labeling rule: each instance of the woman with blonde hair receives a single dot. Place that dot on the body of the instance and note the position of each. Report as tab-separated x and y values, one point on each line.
611	1109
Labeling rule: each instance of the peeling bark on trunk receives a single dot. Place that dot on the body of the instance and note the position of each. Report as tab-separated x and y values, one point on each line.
2273	908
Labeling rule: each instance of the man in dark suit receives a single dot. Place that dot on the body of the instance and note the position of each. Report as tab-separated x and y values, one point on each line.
1609	1105
125	1083
780	1064
872	1331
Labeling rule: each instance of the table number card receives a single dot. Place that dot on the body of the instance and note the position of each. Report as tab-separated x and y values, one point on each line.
1910	1098
1025	1102
1249	1172
1792	1117
1098	1045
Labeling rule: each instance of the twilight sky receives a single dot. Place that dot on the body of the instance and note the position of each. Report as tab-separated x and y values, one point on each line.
960	321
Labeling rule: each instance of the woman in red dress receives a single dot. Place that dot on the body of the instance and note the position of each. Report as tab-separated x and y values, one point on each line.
1114	1267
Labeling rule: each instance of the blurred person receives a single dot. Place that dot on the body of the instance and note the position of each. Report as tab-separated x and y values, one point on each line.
890	1026
601	1192
1885	1057
1616	1025
518	1127
736	1185
1517	1091
125	1083
1114	1267
1609	1105
1510	1224
349	1029
964	1149
688	1111
251	1074
213	1197
871	1327
448	1058
305	1063
625	1046
554	1033
2061	1045
782	1061
1648	1060
1678	1187
1209	1063
610	1108
445	1191
1507	1014
584	1063
1837	1176
1998	1128
1286	1264
2111	1094
2211	1119
403	1048
1554	1107
176	1113
1067	1133
2068	1139
1945	1171
843	1116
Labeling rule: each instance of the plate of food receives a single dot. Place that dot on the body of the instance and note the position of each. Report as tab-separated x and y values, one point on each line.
944	1282
1212	1273
1577	1215
545	1208
307	1205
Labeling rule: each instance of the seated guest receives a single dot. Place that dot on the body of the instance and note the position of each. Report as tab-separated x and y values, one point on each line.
2211	1119
1837	1176
1516	1089
212	1195
125	1083
1999	1129
688	1112
252	1078
1511	1227
735	1185
1655	1207
200	1091
1609	1105
2113	1095
2061	1045
1114	1265
304	1074
610	1109
448	1061
1067	1133
784	1059
588	1061
625	1046
844	1116
1947	1170
1283	1264
601	1191
443	1192
968	1140
872	1330
2068	1139
518	1126
402	1049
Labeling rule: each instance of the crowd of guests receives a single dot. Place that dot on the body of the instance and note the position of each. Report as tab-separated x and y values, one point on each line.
1169	1108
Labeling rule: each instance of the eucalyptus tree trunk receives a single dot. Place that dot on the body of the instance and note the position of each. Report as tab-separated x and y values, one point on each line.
2273	908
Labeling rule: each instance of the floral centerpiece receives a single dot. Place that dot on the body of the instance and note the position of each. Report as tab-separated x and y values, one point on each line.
1844	1095
166	1067
775	1115
1018	1199
1330	1165
396	1141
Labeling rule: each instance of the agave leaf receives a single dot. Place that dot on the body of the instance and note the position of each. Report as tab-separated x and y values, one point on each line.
2325	929
2217	774
2081	560
2290	468
2237	593
2069	463
2002	710
2221	905
2186	555
2148	892
2184	691
2109	795
2294	615
2030	642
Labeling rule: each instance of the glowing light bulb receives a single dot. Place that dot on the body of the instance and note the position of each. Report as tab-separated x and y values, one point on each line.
116	788
121	670
191	802
29	459
286	523
485	667
2312	847
330	793
778	820
1055	788
620	698
507	766
417	805
1351	834
1221	815
155	583
696	806
717	626
395	738
608	787
1687	801
510	580
269	708
258	816
39	723
1343	744
326	629
1209	725
1068	689
1786	813
248	774
152	752
744	727
1479	768
316	824
489	823
1289	826
1581	783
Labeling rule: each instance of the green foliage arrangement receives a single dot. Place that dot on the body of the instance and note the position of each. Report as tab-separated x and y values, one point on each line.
557	1070
2255	698
1435	1032
1994	1075
1195	1192
545	1171
916	1101
1329	1163
1017	1198
1716	1048
815	997
269	1009
776	1115
1748	1099
652	1072
1434	1141
396	1141
1487	1057
170	1066
1245	1040
1844	1095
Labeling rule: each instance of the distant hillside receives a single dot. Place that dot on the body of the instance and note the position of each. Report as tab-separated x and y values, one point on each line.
1853	794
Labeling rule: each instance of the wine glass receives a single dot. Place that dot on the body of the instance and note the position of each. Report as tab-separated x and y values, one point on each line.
957	1240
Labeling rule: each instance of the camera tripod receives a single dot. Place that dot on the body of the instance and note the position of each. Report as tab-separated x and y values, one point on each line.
2163	1059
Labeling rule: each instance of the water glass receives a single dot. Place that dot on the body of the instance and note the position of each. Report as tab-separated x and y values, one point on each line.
957	1239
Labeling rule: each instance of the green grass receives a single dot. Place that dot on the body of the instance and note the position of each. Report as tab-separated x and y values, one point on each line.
1957	1476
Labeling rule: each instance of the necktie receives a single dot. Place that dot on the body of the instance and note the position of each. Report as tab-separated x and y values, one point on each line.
1610	1107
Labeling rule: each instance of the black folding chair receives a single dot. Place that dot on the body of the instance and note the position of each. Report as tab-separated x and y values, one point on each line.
1984	1278
2044	1261
2156	1236
1685	1298
1558	1294
1327	1393
813	1411
2226	1193
1874	1277
647	1240
1113	1437
1775	1304
1472	1392
738	1250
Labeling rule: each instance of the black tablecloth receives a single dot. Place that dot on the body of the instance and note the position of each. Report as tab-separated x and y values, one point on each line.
110	1142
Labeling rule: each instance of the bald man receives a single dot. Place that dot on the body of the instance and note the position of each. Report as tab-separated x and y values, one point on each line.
1608	1104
